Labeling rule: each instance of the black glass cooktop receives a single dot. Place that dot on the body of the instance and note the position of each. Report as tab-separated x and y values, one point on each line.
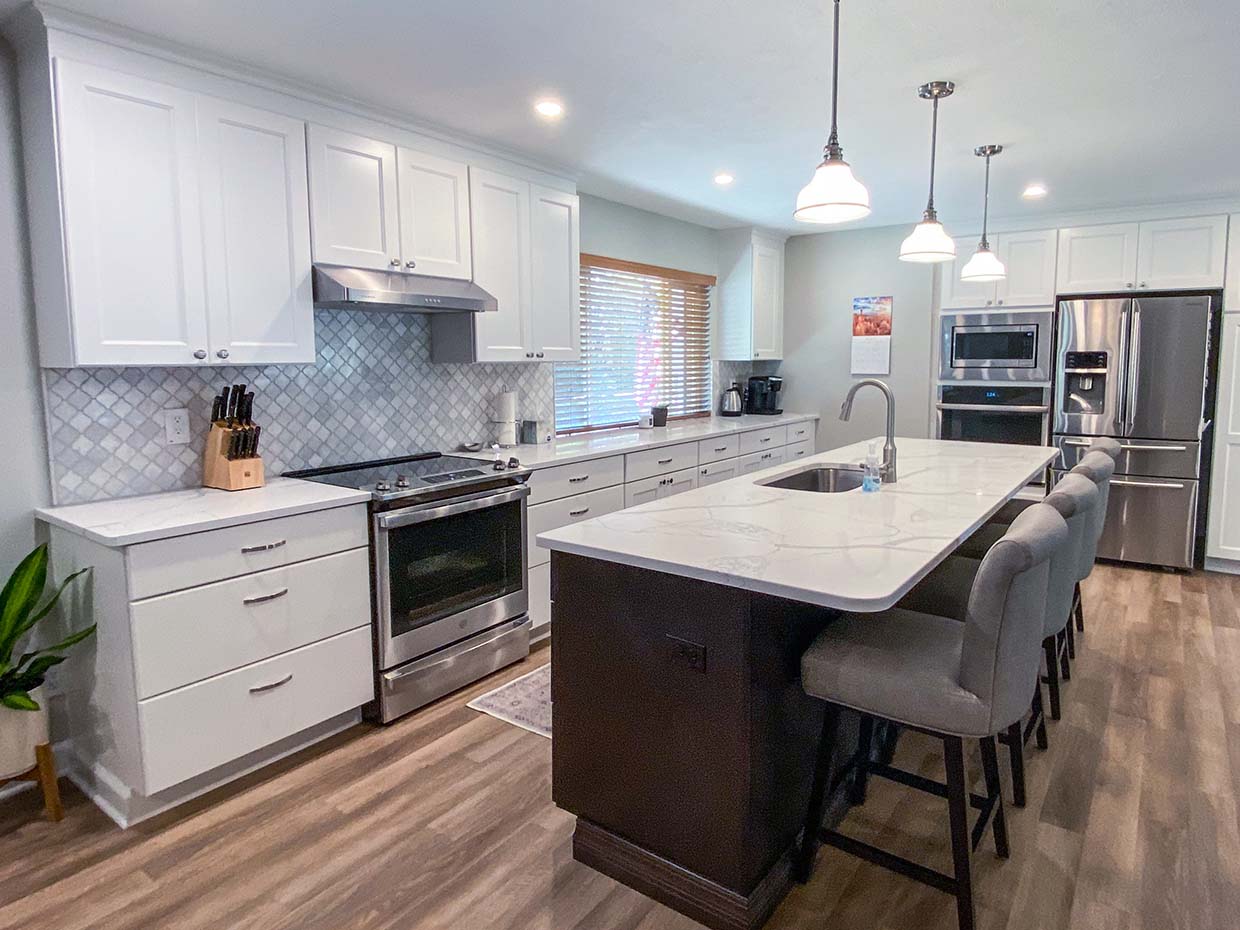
404	475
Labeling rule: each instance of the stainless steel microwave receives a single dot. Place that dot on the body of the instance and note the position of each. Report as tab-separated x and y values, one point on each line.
989	346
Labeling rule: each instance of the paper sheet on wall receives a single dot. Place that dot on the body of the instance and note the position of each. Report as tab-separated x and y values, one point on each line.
871	336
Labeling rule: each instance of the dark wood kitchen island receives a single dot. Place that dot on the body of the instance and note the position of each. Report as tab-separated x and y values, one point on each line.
682	740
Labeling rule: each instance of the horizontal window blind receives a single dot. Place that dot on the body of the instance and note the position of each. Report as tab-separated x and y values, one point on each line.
645	340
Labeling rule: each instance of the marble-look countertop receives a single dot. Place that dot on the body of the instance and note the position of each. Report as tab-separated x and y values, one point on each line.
584	446
124	521
851	550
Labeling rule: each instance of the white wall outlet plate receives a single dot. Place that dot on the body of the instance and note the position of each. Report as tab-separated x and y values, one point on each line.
176	426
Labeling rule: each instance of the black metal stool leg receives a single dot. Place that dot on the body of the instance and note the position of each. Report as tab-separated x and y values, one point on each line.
958	813
1065	670
1040	714
1070	632
1052	675
804	865
1016	761
861	775
990	769
1079	609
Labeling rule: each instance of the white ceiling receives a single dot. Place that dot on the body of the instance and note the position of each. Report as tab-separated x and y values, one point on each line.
1110	102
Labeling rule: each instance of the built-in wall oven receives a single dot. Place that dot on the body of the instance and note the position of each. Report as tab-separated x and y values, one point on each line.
995	413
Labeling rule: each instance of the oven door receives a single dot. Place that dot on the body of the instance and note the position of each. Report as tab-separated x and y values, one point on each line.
984	413
996	346
447	570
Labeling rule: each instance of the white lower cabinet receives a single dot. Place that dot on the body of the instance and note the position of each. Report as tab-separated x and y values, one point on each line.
798	450
756	461
714	472
539	581
1223	533
568	510
659	486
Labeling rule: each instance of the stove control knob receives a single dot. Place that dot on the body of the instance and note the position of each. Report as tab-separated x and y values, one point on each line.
383	486
402	481
498	465
513	463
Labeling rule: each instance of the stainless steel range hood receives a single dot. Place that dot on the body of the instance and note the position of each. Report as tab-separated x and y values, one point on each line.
341	288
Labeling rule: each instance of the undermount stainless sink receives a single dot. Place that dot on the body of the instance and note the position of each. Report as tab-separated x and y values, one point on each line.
821	479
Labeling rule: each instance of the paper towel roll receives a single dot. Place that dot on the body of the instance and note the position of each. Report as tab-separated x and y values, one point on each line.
504	416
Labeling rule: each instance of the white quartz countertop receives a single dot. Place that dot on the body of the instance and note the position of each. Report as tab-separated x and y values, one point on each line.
851	550
585	446
124	521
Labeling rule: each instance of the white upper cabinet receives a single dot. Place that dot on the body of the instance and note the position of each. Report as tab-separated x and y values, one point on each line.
353	203
1184	253
1231	295
555	275
500	218
750	295
963	295
257	242
133	248
1097	258
434	215
1030	261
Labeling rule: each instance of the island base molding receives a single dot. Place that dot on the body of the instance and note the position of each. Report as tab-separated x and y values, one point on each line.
683	891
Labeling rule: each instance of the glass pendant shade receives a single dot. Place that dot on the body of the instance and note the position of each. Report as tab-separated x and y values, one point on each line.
983	267
928	242
833	195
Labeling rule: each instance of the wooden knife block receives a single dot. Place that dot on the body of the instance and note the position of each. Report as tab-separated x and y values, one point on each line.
219	472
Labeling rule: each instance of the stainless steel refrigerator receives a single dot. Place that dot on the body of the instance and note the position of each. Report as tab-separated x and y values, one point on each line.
1138	370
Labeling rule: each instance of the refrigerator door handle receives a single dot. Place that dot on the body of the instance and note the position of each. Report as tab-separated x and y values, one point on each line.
1134	369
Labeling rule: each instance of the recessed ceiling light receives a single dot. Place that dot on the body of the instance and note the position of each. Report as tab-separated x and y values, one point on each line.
723	179
549	109
1034	191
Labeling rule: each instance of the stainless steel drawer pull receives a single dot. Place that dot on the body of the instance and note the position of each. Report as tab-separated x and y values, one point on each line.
259	689
1124	482
665	461
578	513
579	479
246	550
721	448
263	598
765	439
1140	448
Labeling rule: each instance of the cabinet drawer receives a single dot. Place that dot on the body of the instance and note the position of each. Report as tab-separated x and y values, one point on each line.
567	510
723	447
649	462
197	728
658	487
714	472
548	484
798	450
199	558
801	431
193	634
761	439
756	461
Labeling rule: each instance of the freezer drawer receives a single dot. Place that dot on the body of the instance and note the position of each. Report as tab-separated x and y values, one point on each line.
1151	457
1149	520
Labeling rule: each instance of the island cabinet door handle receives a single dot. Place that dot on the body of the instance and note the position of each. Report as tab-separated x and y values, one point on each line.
259	689
721	448
765	439
665	461
578	513
264	598
579	479
266	547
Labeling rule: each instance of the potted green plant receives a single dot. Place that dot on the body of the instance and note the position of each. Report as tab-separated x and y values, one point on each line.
23	713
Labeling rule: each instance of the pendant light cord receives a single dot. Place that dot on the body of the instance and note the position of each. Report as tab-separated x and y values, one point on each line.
986	205
833	143
930	215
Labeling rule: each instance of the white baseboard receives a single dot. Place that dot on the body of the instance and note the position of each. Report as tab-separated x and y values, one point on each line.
1225	566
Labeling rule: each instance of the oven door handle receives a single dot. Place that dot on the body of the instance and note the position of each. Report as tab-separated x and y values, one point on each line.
408	516
997	408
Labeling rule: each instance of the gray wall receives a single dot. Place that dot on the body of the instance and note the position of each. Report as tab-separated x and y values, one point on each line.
822	274
617	231
25	482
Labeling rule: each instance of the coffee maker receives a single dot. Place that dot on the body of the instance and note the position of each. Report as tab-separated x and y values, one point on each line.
762	395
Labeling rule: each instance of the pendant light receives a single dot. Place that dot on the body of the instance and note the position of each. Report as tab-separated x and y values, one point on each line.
984	266
833	194
929	242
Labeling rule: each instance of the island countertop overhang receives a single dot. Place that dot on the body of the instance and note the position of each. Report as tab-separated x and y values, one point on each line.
850	550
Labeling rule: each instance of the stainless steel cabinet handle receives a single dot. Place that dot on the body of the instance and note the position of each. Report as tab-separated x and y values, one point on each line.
411	264
578	479
1128	284
1129	483
263	598
259	689
721	448
395	263
578	513
1139	448
765	439
222	353
1142	284
664	461
266	547
200	353
1000	303
539	354
529	354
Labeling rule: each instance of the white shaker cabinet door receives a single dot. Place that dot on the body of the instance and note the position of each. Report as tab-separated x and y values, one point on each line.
1223	531
354	213
1029	258
256	224
1182	253
499	210
1095	259
434	215
955	294
554	275
133	233
768	300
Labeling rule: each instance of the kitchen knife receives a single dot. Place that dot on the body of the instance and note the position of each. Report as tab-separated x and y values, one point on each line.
247	413
247	436
234	402
233	438
258	430
217	409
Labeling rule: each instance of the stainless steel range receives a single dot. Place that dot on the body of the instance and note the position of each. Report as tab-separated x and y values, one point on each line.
448	571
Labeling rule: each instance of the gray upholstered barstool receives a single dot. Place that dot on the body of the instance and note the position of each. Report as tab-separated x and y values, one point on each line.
1098	466
946	591
951	680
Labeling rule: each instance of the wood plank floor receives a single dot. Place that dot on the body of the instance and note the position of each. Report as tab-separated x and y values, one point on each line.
445	819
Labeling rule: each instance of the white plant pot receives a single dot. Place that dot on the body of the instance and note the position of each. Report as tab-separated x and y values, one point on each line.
20	732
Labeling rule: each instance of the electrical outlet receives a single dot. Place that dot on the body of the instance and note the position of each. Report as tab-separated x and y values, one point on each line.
176	426
687	654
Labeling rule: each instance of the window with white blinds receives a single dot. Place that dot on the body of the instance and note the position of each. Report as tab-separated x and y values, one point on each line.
645	341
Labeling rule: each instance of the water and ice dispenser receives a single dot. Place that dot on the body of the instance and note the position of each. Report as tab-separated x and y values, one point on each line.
1085	383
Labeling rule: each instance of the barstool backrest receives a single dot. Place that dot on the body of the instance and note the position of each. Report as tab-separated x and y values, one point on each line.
1107	445
1098	468
1001	657
1075	499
